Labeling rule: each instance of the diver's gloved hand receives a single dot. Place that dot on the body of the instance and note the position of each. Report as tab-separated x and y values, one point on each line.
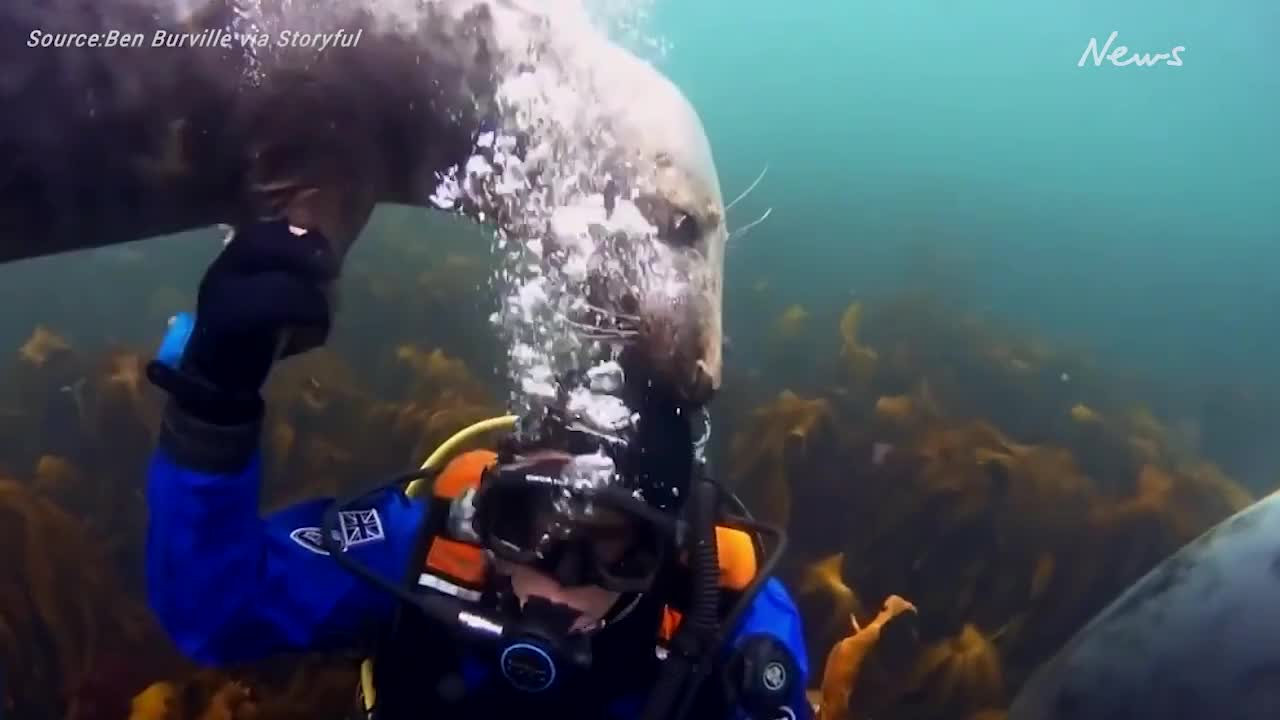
264	297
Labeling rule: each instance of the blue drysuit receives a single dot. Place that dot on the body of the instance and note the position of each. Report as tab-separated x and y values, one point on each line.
231	586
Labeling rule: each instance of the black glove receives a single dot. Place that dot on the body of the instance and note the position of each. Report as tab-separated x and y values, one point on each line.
264	297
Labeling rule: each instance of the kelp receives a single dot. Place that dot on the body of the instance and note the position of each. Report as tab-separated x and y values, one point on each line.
72	642
1008	488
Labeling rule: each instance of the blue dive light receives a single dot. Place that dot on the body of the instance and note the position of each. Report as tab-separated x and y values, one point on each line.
175	339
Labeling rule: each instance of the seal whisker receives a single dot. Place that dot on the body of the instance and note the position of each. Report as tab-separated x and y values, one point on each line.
747	192
599	333
607	337
587	330
742	231
612	313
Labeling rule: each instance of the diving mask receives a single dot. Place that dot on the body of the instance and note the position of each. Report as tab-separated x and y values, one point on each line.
565	516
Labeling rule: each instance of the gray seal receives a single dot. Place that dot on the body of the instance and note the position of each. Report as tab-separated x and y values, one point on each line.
127	119
1197	637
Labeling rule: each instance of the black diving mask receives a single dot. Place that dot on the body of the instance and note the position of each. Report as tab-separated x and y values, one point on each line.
578	528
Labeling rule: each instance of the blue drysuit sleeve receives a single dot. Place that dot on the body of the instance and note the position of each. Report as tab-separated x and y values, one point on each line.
231	586
773	613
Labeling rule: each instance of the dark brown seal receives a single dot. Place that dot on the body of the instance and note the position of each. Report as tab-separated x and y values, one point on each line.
103	144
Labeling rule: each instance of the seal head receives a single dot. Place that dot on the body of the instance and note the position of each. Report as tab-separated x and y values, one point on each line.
612	158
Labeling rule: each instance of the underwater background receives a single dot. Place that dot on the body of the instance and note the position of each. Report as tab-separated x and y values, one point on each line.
1130	208
1127	211
1005	341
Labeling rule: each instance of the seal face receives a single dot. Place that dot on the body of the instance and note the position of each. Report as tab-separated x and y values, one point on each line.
625	219
100	146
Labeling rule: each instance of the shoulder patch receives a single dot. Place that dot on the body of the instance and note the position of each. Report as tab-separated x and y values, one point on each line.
309	538
355	527
360	527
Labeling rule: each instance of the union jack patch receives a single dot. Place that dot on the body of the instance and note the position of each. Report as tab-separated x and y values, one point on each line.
360	527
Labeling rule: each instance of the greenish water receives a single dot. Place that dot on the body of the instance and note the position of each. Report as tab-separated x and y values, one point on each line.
1128	211
1131	210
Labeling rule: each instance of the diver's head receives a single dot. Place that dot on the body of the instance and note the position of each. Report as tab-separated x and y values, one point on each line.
588	523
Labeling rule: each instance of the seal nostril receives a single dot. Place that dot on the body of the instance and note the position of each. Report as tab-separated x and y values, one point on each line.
703	385
610	198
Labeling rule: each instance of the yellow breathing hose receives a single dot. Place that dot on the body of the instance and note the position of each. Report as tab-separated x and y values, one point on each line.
437	458
448	447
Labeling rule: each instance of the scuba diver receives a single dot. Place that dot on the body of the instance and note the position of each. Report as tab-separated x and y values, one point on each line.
571	577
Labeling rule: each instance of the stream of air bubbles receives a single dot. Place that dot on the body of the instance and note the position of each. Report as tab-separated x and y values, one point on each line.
549	170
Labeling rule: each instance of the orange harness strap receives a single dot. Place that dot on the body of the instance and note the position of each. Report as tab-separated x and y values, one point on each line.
459	560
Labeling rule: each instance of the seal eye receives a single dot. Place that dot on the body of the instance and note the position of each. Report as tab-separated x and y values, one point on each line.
676	227
684	231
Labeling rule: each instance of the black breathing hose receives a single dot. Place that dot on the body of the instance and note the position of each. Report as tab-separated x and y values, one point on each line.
705	608
690	653
442	609
736	505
